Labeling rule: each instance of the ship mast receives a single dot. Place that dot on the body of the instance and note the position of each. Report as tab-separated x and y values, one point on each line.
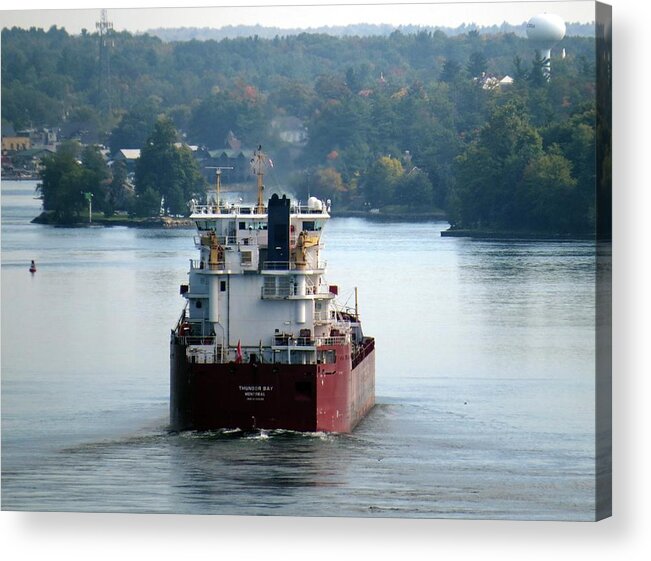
218	182
258	163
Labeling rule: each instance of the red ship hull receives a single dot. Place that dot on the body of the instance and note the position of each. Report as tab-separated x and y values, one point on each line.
330	397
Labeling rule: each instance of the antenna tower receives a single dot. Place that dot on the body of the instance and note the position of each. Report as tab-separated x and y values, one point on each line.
104	30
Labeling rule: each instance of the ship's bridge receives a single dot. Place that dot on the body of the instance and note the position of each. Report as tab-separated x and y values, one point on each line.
237	224
312	208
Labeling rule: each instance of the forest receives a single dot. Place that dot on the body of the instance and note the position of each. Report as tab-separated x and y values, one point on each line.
412	122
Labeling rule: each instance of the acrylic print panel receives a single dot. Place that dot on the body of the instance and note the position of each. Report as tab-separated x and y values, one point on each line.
462	152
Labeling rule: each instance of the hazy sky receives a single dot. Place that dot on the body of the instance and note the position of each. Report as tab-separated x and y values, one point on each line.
285	13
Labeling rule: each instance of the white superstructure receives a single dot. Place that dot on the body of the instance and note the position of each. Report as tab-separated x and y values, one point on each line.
244	303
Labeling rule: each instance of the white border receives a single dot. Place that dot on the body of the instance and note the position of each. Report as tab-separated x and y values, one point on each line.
625	536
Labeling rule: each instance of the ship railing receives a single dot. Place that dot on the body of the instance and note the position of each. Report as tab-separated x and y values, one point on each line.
289	341
292	266
334	340
204	241
287	291
232	208
305	209
276	265
206	209
207	265
204	354
182	319
276	292
228	208
362	350
189	340
318	289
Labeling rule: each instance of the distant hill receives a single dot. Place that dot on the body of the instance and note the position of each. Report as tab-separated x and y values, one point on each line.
360	30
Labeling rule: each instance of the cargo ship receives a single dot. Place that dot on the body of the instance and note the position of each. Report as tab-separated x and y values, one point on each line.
262	342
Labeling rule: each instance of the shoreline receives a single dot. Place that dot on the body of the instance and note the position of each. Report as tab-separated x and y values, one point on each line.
418	217
506	235
165	222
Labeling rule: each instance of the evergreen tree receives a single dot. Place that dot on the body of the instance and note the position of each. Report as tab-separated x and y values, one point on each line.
520	73
381	181
488	191
166	172
550	190
67	176
118	195
537	76
477	65
97	175
451	70
415	190
62	183
132	130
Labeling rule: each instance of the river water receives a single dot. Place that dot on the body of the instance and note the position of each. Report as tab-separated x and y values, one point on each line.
485	379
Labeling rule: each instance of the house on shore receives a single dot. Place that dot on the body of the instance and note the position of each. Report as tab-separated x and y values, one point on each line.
129	157
13	141
238	160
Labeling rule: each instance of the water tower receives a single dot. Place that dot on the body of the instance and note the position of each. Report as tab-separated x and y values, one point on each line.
544	31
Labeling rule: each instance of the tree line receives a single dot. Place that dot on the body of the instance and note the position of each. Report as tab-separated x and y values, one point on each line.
166	178
407	121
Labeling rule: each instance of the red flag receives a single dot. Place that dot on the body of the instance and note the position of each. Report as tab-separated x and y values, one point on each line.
238	358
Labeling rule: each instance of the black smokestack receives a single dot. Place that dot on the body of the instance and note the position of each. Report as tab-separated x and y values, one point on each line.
278	232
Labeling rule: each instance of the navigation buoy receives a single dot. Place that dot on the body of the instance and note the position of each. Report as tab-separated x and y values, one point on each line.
32	267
